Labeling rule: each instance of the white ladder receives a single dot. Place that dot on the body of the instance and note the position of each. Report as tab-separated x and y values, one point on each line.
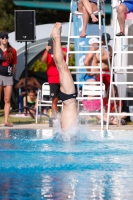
75	36
121	68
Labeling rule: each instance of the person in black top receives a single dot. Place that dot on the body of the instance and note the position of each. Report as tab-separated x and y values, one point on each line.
8	60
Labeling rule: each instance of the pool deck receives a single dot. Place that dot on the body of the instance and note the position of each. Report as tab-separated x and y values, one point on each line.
46	126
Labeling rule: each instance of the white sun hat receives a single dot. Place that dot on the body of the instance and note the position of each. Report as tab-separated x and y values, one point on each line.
94	40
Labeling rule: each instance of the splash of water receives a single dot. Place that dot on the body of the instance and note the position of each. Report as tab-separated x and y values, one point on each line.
79	132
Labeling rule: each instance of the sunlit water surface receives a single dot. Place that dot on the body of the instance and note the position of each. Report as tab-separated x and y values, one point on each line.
88	165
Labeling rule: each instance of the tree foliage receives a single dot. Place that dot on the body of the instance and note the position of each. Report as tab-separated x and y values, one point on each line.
43	16
6	15
38	66
47	16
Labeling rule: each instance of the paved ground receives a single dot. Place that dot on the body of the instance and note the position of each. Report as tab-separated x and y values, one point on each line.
46	126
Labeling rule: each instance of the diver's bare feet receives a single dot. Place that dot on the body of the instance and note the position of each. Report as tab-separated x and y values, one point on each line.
94	18
56	30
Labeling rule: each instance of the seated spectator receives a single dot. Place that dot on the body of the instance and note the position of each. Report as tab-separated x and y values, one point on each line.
106	55
95	106
31	101
115	106
32	83
93	59
107	35
124	8
106	58
87	8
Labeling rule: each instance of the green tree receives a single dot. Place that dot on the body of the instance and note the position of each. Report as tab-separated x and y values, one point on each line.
6	15
47	16
38	66
43	16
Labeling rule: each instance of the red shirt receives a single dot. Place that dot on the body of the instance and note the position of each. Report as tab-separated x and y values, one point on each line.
52	71
14	60
6	66
112	106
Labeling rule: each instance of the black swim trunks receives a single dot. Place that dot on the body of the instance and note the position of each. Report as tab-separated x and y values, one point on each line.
65	97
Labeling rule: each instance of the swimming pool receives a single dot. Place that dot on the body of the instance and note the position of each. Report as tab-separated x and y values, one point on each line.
34	165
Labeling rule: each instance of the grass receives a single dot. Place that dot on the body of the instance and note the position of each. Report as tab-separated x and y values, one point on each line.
129	123
18	120
30	120
21	120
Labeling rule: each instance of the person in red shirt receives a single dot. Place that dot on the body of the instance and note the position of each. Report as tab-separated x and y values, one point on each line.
53	74
8	61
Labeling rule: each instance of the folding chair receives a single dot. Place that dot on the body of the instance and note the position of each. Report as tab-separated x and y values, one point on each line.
94	92
41	99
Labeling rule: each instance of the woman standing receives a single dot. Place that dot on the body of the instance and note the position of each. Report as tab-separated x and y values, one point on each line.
8	60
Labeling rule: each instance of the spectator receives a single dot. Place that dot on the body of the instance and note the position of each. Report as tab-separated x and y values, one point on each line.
31	101
95	105
124	8
91	60
115	106
106	58
105	61
87	8
32	83
8	60
53	75
109	46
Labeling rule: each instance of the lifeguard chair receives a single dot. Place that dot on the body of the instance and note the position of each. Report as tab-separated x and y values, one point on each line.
81	48
122	64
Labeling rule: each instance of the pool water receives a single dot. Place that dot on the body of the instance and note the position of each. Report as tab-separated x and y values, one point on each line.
35	164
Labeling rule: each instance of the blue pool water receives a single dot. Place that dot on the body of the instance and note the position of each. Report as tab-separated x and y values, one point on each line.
35	164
